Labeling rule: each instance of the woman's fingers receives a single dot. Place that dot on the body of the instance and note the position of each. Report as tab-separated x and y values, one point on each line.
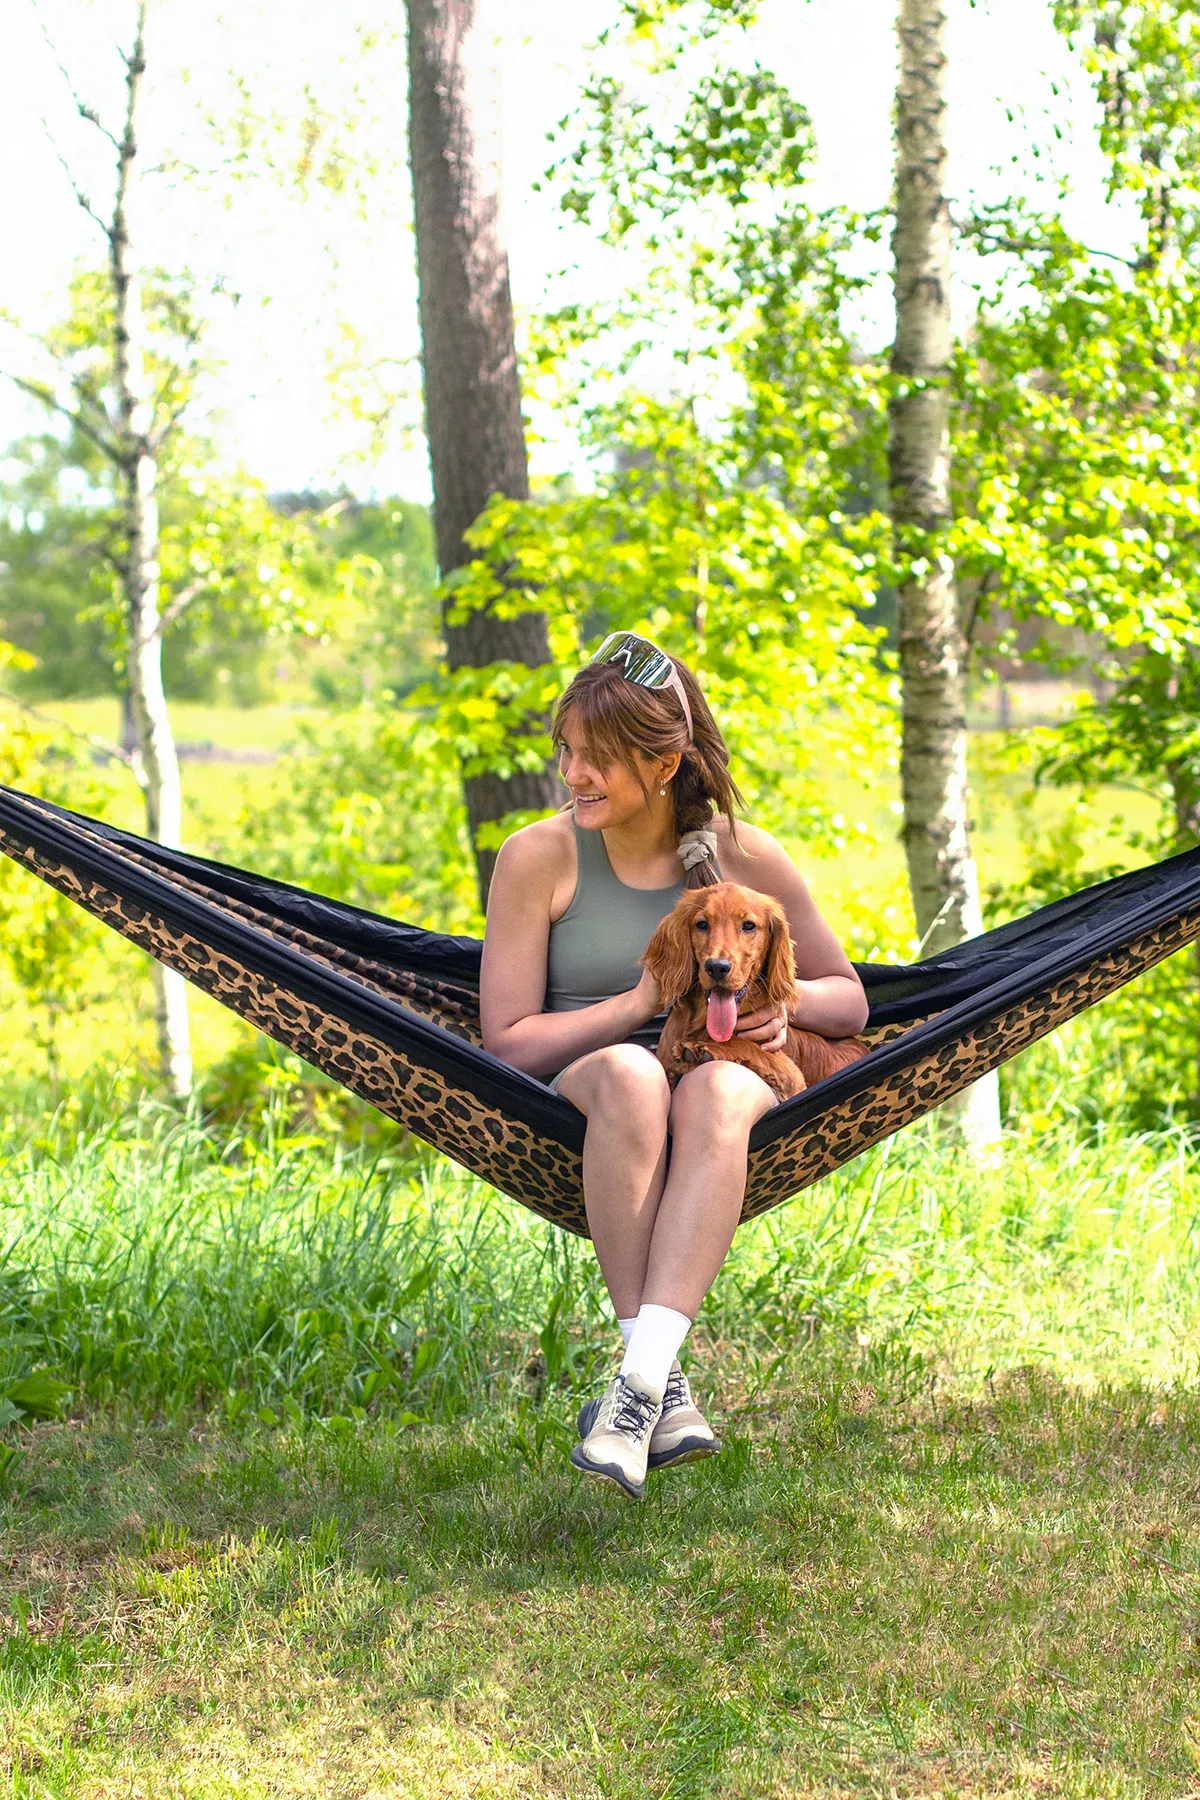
766	1025
750	1022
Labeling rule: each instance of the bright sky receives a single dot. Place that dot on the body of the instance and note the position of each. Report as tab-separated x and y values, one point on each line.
323	283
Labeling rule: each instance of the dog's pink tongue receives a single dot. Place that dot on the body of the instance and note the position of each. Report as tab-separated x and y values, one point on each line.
722	1017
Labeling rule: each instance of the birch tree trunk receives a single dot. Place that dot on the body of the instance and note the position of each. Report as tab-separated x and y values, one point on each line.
472	389
933	651
156	762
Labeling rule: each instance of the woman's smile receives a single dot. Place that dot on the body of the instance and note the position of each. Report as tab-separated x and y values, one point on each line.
585	800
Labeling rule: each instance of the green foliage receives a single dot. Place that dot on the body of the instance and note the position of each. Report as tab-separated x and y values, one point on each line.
236	570
1131	1063
1078	470
1144	58
55	581
366	808
1080	475
59	959
764	604
1145	734
739	133
384	632
727	518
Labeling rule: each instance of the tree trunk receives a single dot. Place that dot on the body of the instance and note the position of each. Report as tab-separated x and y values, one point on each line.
472	390
156	761
933	652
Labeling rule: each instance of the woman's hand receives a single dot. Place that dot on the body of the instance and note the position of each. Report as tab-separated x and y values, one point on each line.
767	1026
648	995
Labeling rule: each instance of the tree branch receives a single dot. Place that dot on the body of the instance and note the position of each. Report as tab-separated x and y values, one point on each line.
1030	247
81	107
179	605
39	391
157	437
983	589
78	192
113	752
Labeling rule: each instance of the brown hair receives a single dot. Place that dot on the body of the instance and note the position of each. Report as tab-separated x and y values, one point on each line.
618	719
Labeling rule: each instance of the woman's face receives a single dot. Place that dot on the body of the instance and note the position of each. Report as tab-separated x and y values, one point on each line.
603	798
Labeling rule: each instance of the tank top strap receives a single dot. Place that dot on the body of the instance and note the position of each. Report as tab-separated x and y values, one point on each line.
592	867
594	870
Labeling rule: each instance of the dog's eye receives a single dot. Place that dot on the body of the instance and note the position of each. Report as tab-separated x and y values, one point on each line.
701	924
749	924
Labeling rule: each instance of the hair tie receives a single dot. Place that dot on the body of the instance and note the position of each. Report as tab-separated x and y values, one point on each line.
697	847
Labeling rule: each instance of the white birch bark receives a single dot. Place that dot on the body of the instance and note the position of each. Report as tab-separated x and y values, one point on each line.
156	761
933	652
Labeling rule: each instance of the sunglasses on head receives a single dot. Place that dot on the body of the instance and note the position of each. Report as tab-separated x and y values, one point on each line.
645	665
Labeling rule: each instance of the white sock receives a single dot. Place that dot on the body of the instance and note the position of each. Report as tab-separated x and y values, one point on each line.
626	1326
654	1344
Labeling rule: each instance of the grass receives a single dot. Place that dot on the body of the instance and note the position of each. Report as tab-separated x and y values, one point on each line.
307	1526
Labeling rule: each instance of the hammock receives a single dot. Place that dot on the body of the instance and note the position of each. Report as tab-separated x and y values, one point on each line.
392	1012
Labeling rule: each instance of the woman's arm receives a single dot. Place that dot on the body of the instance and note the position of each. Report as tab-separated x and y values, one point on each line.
829	995
512	984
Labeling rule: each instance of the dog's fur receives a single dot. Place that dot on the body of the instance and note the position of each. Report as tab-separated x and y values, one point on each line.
749	930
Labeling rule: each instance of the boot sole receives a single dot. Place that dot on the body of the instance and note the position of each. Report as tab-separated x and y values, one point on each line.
607	1472
684	1453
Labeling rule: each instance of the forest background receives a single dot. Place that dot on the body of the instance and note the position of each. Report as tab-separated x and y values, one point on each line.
254	1273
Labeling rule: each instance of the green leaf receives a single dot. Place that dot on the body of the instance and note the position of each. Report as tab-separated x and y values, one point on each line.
39	1395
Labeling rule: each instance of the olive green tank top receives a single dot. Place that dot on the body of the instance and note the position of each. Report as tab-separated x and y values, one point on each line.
594	948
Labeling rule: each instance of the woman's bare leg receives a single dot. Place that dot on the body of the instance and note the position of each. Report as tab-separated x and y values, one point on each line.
712	1111
624	1094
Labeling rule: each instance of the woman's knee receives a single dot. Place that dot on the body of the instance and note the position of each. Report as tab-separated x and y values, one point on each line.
720	1097
624	1080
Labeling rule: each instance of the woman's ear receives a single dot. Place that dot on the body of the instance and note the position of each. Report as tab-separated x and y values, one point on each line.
780	972
669	955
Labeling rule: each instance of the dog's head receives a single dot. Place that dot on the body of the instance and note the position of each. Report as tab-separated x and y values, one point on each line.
723	939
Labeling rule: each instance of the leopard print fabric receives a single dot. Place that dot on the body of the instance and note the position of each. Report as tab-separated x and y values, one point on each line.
537	1171
444	1003
542	1174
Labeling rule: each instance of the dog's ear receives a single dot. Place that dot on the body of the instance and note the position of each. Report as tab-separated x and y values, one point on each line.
669	955
780	971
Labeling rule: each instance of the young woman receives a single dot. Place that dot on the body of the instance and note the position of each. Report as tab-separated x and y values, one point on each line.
574	901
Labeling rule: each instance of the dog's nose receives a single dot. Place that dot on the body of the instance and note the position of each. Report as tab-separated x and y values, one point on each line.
717	967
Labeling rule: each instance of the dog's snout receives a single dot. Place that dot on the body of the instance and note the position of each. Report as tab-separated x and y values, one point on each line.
717	967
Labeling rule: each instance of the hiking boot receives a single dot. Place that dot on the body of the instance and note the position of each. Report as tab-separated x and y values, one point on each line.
618	1439
682	1434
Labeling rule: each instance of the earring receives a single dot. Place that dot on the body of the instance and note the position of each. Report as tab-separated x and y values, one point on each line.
662	790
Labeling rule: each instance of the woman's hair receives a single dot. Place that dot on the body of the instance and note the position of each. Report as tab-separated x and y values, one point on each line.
619	720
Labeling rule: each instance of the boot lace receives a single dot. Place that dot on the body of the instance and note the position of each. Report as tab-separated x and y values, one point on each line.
676	1393
634	1412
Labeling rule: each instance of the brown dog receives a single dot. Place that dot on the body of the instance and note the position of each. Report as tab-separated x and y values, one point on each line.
726	950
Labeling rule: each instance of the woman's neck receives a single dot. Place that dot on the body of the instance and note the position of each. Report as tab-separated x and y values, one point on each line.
648	838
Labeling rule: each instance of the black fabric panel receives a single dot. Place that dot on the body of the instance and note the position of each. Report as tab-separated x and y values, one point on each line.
350	927
1106	914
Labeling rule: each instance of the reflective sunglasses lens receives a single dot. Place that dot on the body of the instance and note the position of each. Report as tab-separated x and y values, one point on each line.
640	662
